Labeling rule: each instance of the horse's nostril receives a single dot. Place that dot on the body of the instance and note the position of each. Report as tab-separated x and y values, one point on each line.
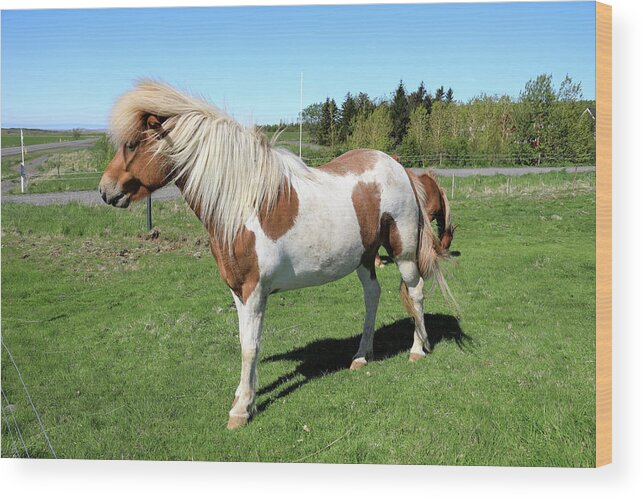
116	199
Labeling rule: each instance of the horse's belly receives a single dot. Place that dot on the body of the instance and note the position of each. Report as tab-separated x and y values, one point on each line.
312	267
317	251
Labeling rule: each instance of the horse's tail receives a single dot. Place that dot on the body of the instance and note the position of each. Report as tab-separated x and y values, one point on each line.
429	252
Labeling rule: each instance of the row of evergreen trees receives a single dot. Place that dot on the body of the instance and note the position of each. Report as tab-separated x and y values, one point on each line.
543	125
331	125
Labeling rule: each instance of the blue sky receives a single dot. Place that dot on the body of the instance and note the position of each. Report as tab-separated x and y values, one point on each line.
65	68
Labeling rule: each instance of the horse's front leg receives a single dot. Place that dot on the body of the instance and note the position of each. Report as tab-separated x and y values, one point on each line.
250	322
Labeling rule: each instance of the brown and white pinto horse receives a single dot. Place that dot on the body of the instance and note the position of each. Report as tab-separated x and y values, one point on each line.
274	224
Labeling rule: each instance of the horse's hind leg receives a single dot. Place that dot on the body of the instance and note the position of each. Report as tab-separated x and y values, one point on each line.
371	300
413	299
250	322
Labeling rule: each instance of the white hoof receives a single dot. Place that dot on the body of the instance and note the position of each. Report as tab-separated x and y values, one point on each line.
358	364
414	357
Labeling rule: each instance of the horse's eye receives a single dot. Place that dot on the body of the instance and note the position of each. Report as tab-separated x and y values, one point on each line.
131	146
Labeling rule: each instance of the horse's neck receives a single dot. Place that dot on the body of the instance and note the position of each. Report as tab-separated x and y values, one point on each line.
194	205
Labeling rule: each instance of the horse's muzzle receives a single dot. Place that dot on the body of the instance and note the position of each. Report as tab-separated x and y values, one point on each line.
113	196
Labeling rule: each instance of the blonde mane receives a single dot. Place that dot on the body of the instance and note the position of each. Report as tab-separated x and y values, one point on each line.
227	170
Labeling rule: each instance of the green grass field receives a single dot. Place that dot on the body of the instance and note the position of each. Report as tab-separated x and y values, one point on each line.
129	345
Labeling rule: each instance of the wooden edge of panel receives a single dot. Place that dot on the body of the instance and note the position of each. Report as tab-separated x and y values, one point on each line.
603	234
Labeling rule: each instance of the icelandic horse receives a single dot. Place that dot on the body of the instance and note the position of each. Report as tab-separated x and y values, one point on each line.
274	224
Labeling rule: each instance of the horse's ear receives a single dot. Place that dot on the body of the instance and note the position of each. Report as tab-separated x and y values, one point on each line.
153	122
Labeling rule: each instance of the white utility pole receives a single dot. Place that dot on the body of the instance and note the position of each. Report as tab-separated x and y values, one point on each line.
22	164
301	111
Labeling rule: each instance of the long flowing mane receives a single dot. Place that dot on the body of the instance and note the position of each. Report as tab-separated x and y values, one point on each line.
228	170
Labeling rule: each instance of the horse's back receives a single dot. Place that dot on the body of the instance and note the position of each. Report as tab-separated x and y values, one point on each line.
369	166
363	163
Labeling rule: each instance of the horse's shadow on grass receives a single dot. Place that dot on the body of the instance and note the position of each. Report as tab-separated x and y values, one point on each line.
322	357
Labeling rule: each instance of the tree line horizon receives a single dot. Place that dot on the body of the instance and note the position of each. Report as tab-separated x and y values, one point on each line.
543	126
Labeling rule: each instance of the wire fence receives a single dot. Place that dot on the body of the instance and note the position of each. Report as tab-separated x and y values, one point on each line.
65	176
481	160
61	177
78	178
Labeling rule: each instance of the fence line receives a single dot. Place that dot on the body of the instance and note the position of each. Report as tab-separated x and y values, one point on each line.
481	159
63	176
42	426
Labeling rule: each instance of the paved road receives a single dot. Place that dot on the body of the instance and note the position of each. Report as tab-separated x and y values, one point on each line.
82	197
13	151
171	192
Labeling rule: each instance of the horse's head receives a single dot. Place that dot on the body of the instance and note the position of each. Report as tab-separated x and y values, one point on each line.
136	170
447	236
